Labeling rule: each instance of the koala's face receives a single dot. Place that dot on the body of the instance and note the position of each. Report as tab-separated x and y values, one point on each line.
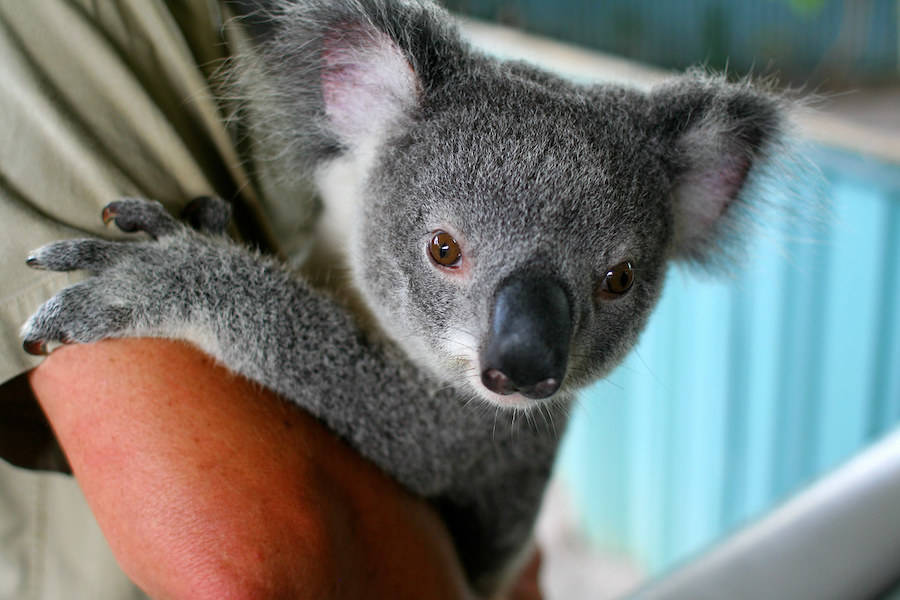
513	229
515	244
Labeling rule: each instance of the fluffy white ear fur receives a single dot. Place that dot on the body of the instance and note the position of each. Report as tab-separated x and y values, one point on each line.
368	85
714	176
715	136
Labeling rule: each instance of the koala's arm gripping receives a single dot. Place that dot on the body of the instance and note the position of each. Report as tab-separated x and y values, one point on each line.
244	309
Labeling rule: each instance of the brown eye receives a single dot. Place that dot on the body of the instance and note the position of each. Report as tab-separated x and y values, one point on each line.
617	281
444	250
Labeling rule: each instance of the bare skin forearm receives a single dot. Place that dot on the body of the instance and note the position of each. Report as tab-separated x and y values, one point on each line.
208	486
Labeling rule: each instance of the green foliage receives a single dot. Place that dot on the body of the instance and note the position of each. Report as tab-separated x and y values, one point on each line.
807	7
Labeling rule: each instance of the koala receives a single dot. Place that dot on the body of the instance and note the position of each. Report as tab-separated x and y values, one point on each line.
507	233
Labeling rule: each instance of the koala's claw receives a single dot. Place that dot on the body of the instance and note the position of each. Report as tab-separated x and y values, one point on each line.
138	214
108	214
34	262
36	347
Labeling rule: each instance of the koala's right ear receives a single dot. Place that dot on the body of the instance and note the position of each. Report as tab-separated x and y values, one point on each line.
712	135
368	83
336	74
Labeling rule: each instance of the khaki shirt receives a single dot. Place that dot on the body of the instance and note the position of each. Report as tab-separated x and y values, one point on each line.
98	99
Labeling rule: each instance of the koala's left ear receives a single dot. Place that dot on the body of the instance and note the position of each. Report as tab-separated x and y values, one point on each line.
712	134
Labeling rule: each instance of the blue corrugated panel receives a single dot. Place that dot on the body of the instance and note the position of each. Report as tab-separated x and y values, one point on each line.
884	391
742	390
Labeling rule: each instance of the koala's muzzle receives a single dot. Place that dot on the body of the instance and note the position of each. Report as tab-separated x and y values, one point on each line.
528	346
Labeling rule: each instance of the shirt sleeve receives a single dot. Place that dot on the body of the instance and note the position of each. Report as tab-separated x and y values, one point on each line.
100	100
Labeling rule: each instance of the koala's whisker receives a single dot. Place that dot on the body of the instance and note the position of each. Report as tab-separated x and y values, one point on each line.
545	409
513	413
446	387
530	420
540	411
468	402
457	341
608	381
579	373
652	373
494	425
578	369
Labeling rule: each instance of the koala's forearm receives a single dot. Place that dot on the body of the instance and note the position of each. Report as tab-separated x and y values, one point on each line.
257	319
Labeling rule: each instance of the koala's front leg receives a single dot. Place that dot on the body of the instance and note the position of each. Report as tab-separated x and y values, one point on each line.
252	315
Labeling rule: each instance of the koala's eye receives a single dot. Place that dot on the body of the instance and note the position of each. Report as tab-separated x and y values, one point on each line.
617	281
444	250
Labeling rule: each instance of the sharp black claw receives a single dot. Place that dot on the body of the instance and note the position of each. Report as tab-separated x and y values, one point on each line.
36	347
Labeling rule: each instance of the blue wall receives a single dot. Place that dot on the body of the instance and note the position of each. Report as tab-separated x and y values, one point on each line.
743	390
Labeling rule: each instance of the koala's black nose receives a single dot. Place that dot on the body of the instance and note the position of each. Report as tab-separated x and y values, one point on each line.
528	347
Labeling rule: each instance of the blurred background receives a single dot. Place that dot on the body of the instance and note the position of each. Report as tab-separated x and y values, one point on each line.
838	43
744	388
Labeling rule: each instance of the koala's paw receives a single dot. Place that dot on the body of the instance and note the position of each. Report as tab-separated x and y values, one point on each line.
133	283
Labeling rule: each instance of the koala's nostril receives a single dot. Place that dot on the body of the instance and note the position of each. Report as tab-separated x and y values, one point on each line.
497	381
542	389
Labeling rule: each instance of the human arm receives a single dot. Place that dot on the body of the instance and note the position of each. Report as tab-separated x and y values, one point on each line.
207	486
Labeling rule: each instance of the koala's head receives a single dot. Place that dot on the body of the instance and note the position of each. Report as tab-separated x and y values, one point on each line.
514	229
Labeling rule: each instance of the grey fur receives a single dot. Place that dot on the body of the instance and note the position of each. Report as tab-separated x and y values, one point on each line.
532	173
